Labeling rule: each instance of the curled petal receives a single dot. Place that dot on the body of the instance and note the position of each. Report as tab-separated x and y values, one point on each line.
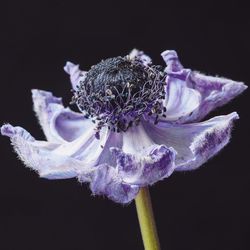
59	124
214	91
152	165
145	59
194	143
87	148
76	75
180	100
173	64
40	155
104	180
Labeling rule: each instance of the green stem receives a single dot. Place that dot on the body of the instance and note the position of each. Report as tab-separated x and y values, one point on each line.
146	220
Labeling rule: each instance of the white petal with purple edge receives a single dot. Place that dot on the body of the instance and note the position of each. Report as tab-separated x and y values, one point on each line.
194	143
214	91
40	155
154	164
141	161
59	124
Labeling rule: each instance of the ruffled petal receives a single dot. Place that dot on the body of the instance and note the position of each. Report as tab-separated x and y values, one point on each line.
105	180
59	124
214	91
194	143
76	75
152	165
180	100
40	155
140	161
140	55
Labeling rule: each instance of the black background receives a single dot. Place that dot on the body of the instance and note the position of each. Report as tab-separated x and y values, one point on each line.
199	210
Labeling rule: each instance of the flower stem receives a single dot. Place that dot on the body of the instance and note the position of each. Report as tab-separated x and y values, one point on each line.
146	220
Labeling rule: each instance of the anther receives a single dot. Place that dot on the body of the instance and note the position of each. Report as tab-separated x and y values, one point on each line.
118	91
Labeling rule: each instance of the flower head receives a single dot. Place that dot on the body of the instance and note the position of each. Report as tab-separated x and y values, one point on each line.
138	124
118	91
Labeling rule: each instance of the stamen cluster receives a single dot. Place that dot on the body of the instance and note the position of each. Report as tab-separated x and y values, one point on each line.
118	91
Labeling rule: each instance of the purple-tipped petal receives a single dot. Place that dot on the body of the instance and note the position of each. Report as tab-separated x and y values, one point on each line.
194	143
152	165
76	75
104	180
40	155
171	59
214	91
140	161
59	124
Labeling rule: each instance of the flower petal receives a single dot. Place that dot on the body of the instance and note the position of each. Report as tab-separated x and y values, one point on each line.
145	59
87	148
104	180
76	75
156	163
59	124
140	161
194	143
180	100
40	155
214	91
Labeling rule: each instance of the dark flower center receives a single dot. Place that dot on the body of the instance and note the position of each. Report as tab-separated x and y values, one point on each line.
118	91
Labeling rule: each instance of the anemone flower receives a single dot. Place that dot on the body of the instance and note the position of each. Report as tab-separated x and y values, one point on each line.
138	124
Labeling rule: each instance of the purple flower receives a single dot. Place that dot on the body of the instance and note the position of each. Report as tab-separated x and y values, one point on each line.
138	124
